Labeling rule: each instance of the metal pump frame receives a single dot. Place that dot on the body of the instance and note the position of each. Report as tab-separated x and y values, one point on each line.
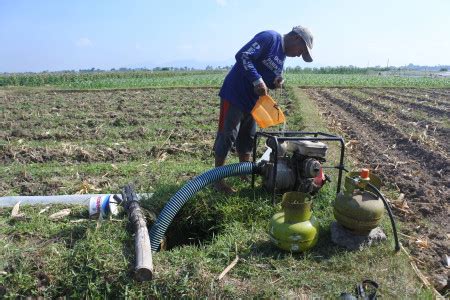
281	136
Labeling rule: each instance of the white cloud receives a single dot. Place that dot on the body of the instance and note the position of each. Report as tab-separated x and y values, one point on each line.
83	42
221	2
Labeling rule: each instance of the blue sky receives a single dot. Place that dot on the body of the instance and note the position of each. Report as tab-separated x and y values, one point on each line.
71	35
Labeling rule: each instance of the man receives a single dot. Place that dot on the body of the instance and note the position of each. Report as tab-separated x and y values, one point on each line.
259	66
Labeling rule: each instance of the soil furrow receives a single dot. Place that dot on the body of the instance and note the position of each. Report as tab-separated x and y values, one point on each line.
439	92
413	150
399	163
428	109
421	98
429	130
368	102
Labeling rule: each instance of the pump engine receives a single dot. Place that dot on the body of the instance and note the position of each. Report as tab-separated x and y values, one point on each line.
294	166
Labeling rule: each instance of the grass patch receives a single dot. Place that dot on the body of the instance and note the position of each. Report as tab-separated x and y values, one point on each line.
81	260
57	259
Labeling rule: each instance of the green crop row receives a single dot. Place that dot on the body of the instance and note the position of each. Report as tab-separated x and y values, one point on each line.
110	79
214	78
354	80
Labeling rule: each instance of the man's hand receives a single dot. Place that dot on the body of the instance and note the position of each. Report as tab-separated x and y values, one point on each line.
261	89
278	82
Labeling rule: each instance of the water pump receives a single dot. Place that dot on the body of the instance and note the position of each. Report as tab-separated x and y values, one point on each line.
299	166
294	161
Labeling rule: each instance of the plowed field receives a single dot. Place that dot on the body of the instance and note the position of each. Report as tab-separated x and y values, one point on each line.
403	136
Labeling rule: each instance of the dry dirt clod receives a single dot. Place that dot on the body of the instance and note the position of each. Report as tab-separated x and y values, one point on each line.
440	282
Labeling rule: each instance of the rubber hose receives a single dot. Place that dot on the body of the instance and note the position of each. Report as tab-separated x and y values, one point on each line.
190	189
388	208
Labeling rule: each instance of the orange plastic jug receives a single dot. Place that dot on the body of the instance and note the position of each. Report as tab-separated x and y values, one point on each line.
267	113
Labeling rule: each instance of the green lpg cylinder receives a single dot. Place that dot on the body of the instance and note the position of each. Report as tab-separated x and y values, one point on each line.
294	229
357	208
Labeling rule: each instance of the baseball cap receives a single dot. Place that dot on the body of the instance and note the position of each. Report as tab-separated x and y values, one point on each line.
306	35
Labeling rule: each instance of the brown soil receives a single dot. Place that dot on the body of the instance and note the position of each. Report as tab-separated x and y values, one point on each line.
428	129
106	126
432	110
432	97
410	166
51	142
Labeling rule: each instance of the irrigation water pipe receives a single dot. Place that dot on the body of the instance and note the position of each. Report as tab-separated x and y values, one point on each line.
10	201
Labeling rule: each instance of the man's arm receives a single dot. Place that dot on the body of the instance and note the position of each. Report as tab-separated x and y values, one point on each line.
248	54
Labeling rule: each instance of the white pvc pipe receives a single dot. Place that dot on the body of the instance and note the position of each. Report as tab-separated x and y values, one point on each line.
10	201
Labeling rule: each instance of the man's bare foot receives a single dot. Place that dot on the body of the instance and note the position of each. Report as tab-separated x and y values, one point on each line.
222	187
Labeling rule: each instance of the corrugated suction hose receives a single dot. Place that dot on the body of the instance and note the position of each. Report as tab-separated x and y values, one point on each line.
190	189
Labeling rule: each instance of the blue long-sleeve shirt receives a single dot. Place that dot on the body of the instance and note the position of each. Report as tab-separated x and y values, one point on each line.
262	57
